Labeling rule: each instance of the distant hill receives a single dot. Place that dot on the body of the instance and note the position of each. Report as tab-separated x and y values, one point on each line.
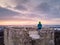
53	26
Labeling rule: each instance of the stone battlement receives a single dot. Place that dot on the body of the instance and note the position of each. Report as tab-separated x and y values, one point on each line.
20	36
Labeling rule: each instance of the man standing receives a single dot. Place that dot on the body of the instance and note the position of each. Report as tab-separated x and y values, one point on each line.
39	27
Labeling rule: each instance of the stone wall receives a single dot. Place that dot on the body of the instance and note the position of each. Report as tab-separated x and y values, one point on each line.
14	36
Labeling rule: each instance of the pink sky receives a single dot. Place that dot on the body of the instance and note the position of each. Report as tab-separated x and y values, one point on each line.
29	12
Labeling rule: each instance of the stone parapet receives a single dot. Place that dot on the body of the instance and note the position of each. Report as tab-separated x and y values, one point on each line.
14	36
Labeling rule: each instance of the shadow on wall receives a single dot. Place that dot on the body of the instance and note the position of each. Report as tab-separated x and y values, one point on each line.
57	37
2	38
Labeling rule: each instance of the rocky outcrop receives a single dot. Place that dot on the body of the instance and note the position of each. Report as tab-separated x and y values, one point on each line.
13	36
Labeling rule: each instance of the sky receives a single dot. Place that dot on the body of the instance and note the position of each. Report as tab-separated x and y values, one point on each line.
29	12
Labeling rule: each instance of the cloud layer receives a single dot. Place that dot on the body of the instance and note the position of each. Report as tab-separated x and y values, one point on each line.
30	10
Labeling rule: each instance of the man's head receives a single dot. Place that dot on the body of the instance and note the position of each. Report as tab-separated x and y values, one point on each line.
39	22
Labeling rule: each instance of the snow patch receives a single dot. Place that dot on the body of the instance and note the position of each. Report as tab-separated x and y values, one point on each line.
34	34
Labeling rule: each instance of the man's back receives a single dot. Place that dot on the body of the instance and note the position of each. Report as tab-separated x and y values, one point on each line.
39	26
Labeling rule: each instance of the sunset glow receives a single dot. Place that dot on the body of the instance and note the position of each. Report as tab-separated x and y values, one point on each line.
25	22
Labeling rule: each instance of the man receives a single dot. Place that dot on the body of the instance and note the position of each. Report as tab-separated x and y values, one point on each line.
39	26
